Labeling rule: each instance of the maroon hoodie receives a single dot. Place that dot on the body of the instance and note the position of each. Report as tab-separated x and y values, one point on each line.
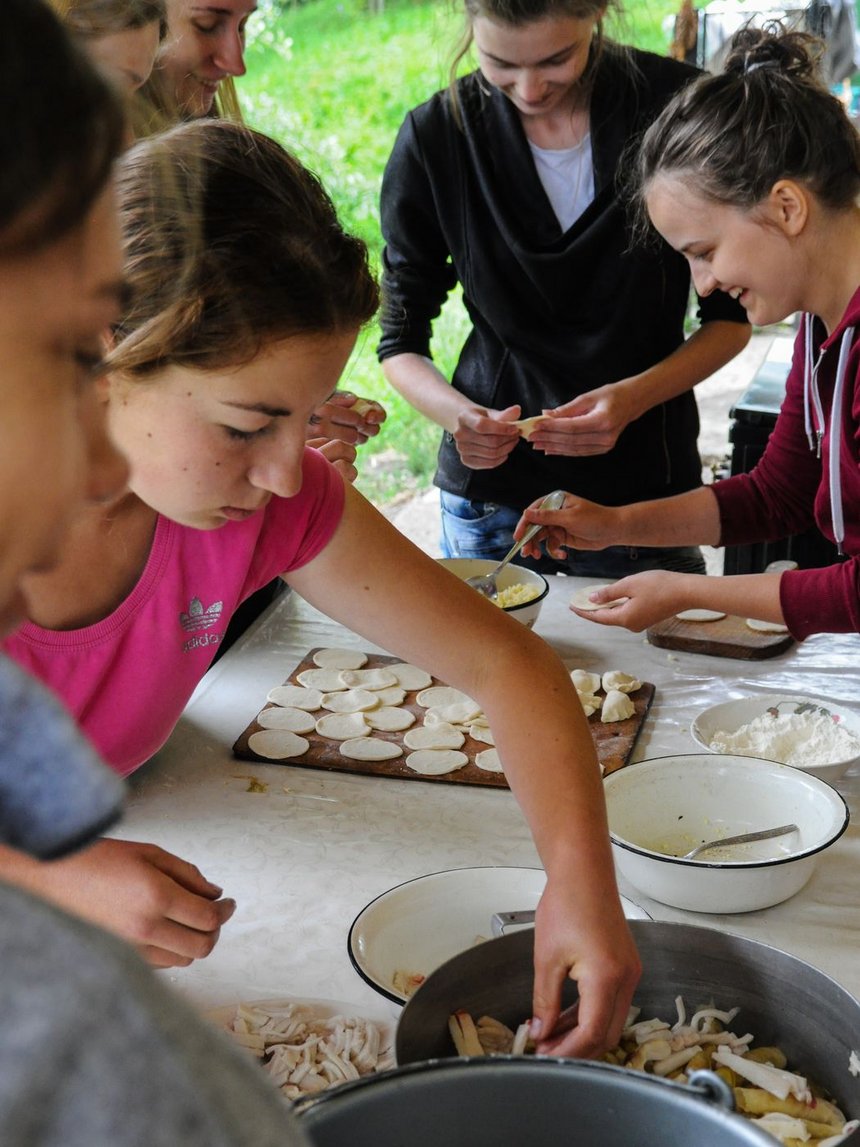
802	478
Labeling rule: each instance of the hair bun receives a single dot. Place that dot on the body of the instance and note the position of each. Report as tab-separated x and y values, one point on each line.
772	49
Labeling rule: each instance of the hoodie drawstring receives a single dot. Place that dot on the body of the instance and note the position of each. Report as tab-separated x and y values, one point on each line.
815	433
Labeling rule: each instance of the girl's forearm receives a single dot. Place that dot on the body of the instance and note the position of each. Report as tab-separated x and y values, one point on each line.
705	351
690	519
425	388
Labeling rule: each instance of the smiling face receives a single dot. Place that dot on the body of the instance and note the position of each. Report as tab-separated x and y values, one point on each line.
749	254
208	447
205	43
54	452
536	65
126	57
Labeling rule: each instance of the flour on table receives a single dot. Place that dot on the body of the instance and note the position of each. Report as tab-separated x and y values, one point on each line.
790	738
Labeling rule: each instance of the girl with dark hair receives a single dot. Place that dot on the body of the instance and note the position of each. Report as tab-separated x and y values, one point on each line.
239	327
506	184
754	176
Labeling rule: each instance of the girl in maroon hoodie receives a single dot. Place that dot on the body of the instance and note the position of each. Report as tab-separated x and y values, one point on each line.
754	176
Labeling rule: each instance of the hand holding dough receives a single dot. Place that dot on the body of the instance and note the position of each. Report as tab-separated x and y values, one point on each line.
527	426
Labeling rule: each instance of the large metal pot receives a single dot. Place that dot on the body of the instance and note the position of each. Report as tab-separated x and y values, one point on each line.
542	1102
783	1000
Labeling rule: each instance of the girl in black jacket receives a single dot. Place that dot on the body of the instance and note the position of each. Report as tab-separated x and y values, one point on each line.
507	184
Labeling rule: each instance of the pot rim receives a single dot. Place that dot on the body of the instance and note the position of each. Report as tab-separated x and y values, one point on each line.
706	1088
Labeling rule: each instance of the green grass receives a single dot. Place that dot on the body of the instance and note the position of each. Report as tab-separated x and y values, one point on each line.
333	82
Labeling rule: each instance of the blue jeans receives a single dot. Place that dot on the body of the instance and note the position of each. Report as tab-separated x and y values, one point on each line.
486	530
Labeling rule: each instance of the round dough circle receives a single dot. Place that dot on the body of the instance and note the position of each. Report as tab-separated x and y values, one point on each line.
391	695
370	749
580	598
410	676
439	695
278	717
489	761
277	744
435	762
367	679
433	737
342	726
758	626
326	680
295	696
340	658
349	701
700	615
390	719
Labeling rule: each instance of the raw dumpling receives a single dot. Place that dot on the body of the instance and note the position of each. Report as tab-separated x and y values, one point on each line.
527	426
623	682
590	703
617	706
585	682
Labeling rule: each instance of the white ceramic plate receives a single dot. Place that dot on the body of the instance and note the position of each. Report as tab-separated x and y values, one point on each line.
416	926
730	715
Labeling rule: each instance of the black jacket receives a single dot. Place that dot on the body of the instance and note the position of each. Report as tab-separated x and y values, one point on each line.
554	314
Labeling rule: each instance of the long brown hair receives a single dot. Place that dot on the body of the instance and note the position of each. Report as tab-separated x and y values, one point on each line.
230	243
766	117
52	166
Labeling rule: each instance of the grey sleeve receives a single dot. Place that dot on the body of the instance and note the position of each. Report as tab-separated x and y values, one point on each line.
55	793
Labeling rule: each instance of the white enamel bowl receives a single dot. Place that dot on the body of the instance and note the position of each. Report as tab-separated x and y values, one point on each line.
730	715
416	926
511	575
661	808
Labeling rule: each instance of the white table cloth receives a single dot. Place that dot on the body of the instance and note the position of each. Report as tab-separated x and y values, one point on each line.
305	856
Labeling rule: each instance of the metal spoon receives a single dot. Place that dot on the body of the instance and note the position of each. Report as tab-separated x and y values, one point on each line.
744	838
486	583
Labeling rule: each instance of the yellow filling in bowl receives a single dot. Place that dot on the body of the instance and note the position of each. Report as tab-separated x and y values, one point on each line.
517	594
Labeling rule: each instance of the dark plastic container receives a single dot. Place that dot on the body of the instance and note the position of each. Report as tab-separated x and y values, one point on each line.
753	418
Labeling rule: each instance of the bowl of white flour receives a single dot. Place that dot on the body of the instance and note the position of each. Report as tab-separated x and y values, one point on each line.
818	736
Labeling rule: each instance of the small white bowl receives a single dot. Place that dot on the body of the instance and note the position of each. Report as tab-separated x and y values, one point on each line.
660	808
511	575
730	715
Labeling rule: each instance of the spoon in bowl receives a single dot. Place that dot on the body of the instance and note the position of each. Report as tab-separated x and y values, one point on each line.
486	583
744	838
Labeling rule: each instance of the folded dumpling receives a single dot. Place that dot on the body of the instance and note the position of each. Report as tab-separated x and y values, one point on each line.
617	706
623	682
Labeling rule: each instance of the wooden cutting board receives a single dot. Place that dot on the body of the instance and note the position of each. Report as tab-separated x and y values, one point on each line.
728	637
614	742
